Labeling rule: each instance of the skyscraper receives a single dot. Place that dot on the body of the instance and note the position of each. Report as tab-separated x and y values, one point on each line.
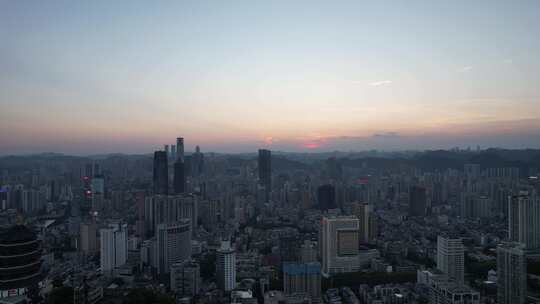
180	149
511	273
524	220
197	162
226	267
161	173
179	179
265	170
97	186
166	149
113	247
173	152
173	244
339	244
417	201
451	257
326	197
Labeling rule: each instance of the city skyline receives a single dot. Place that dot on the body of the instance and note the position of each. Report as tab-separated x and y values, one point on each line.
81	78
270	152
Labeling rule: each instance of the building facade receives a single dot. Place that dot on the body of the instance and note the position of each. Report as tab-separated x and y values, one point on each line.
524	220
302	278
226	266
451	257
173	244
511	273
113	247
161	173
185	278
339	242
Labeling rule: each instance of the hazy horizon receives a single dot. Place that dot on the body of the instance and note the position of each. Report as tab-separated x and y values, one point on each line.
472	149
127	77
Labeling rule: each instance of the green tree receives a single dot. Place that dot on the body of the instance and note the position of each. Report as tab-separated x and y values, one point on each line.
146	296
208	266
60	295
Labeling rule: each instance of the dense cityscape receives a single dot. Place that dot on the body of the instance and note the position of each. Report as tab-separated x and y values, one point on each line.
269	152
458	226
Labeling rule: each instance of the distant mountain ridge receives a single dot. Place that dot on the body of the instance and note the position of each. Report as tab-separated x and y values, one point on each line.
436	160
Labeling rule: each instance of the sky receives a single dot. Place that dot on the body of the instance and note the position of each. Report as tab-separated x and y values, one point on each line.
88	77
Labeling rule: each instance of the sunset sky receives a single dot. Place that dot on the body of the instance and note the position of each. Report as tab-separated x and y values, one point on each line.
85	77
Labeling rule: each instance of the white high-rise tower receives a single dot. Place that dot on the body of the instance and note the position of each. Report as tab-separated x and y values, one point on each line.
451	257
226	267
113	249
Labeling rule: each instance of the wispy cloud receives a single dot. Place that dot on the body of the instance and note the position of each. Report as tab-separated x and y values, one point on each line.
465	68
386	135
380	83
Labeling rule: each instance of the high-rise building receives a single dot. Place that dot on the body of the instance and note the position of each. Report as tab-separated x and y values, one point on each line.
88	171
113	247
179	180
511	273
326	197
303	278
417	201
173	244
166	149
474	206
451	257
88	238
265	170
363	212
161	173
180	149
185	278
139	203
173	152
148	253
97	170
524	220
20	262
170	209
226	267
212	212
339	241
97	186
32	201
197	162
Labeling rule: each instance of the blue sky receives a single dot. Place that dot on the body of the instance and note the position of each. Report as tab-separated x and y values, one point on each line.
128	76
